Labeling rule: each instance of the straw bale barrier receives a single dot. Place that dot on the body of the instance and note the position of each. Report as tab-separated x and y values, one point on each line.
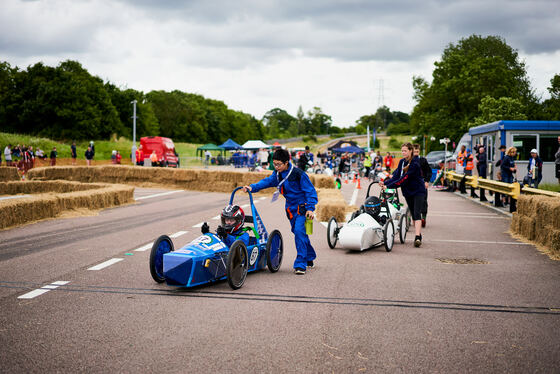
189	179
332	204
55	197
8	173
538	219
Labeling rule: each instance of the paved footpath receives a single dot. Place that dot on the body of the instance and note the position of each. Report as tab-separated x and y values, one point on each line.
95	308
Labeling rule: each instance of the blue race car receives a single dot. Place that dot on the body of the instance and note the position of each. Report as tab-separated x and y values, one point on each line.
207	258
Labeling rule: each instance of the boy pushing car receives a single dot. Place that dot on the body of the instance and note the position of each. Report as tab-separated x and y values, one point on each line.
301	198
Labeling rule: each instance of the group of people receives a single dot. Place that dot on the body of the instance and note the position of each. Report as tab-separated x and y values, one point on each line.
24	157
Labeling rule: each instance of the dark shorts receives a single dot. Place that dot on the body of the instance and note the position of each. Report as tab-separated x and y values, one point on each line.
558	171
415	204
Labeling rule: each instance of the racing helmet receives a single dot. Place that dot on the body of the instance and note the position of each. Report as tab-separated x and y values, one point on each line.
373	206
235	212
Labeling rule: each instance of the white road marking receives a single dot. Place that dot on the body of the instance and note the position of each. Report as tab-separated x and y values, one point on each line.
262	198
42	290
217	217
199	224
103	265
14	197
326	224
144	247
354	197
158	195
462	213
475	241
177	234
245	206
459	216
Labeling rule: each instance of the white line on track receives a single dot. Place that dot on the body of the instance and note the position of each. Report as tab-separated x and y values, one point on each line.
158	195
199	224
475	241
462	213
262	198
326	224
42	290
144	247
245	206
14	197
177	234
469	217
103	265
354	197
217	217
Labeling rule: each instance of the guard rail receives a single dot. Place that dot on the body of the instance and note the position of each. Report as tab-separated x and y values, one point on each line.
510	189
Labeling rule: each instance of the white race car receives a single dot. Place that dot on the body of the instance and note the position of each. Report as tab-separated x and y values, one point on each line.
373	224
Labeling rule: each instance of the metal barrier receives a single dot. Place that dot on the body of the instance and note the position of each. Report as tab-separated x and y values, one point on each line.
509	189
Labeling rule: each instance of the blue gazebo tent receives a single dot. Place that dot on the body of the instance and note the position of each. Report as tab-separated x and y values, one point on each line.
349	149
230	145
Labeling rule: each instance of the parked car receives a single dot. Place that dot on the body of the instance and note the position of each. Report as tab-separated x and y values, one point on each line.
436	159
165	150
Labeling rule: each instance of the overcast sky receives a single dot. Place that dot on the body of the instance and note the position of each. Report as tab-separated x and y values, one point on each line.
257	55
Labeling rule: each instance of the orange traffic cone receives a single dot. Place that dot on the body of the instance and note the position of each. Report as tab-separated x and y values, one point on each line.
359	187
346	179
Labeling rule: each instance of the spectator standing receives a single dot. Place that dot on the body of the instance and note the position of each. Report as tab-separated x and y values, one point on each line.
54	153
118	158
73	152
140	156
367	163
508	167
89	155
154	158
207	156
482	167
301	198
114	157
426	175
92	149
534	169
388	162
408	176
557	161
304	159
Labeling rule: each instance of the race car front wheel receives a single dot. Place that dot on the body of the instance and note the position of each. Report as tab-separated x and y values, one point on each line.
403	228
237	264
389	235
332	233
274	251
162	245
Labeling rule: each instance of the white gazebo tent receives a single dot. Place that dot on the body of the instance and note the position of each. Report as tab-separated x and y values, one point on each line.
255	144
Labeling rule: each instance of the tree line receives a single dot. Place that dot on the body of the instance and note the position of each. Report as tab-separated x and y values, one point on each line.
478	80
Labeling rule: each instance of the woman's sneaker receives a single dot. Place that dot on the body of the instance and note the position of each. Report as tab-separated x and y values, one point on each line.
310	264
418	241
299	271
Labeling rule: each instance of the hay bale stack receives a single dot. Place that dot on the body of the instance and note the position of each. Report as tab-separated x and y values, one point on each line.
538	219
198	180
8	173
54	202
331	204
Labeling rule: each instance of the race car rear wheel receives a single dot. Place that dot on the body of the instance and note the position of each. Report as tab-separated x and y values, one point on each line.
332	233
274	251
161	246
237	264
403	228
389	235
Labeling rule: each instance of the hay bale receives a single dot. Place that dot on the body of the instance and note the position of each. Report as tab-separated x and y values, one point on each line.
554	240
325	211
527	227
514	225
9	173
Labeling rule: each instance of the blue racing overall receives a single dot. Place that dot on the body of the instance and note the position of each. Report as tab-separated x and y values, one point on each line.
300	195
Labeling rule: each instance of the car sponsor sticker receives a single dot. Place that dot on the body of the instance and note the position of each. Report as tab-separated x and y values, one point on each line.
254	255
203	239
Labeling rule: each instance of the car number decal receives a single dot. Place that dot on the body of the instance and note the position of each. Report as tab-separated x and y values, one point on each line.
254	255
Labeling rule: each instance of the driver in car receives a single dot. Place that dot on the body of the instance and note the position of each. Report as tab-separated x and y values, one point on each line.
231	228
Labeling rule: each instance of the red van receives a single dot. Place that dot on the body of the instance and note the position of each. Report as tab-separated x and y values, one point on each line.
164	147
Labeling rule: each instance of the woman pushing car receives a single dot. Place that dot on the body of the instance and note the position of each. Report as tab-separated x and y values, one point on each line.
408	176
301	198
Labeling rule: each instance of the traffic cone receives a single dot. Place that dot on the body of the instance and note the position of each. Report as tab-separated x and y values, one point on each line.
359	186
346	179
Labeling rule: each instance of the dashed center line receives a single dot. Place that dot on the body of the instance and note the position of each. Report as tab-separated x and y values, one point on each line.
158	195
42	290
103	265
144	247
177	234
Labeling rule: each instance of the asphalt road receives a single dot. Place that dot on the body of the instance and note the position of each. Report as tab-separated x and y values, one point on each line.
405	311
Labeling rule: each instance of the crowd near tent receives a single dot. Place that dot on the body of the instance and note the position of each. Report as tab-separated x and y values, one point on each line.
255	144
